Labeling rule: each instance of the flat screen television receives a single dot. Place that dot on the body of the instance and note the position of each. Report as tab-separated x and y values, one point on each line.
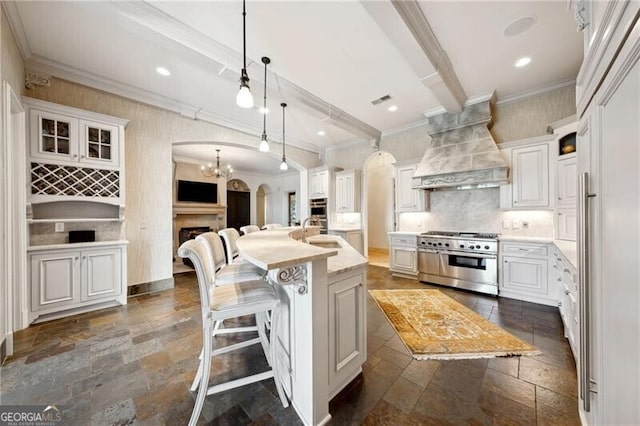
198	192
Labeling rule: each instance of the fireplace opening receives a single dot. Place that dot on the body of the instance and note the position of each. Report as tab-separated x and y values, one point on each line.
186	234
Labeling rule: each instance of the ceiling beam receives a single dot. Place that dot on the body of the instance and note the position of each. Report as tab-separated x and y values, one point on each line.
420	48
229	61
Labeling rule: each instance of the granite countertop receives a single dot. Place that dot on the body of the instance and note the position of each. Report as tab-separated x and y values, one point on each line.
72	246
404	232
277	248
543	240
347	259
344	228
570	250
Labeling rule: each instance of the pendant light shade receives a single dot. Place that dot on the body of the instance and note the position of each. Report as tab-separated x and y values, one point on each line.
283	166
244	99
264	144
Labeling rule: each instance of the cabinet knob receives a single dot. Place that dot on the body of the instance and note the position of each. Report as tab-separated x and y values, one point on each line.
559	198
566	292
75	155
75	258
506	261
84	257
559	213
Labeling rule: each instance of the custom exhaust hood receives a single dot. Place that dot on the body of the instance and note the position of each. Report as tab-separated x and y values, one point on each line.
461	153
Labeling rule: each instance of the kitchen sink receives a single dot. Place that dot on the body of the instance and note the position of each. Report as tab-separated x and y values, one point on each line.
326	244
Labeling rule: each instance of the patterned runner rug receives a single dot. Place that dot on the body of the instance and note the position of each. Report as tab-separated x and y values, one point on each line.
434	326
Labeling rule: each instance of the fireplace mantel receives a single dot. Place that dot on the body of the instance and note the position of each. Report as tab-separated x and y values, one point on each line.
188	208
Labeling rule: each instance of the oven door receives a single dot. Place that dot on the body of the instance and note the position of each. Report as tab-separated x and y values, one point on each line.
474	267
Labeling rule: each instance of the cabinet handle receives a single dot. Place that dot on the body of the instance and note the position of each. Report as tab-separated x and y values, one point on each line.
559	213
82	156
84	257
559	198
567	270
75	259
75	155
566	292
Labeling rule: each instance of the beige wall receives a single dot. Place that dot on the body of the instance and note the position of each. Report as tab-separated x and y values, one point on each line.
530	117
148	168
379	175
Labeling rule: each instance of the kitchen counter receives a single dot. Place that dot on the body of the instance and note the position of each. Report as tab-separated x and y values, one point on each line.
404	233
320	339
568	248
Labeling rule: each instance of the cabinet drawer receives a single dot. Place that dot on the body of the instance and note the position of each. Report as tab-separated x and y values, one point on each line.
404	240
524	249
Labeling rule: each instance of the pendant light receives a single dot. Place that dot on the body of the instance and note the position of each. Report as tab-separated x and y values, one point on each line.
244	99
264	145
283	165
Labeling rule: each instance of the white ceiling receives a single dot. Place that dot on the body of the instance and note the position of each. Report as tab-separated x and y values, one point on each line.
329	59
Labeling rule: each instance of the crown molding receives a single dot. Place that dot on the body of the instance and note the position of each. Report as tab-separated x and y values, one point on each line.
471	101
15	22
45	66
534	92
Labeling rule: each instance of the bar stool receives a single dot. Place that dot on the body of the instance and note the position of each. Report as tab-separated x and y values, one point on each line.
248	229
227	273
218	303
230	236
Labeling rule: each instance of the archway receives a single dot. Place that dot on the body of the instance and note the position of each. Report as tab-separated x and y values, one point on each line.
380	206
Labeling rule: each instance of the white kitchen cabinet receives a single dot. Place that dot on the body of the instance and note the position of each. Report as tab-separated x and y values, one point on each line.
524	273
403	254
58	134
66	279
352	236
567	181
407	198
567	224
566	279
348	191
530	176
319	184
347	330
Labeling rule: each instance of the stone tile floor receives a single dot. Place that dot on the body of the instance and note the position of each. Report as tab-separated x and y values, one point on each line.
134	365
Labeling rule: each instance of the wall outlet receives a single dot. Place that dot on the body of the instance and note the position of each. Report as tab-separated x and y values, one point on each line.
525	224
143	224
59	227
517	224
506	224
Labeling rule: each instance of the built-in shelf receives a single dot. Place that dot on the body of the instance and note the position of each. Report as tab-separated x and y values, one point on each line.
72	220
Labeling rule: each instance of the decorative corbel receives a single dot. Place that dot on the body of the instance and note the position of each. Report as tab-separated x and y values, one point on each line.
34	78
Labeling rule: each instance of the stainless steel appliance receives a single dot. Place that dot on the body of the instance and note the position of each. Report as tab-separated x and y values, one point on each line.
467	260
318	214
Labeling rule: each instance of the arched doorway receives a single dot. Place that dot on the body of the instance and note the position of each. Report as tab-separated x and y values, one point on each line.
380	202
238	204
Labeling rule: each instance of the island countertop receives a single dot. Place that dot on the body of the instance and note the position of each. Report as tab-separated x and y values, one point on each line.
277	248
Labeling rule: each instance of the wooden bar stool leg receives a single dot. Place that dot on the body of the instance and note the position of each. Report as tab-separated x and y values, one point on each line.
207	340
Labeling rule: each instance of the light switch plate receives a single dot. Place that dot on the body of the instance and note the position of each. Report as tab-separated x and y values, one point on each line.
517	224
59	227
506	224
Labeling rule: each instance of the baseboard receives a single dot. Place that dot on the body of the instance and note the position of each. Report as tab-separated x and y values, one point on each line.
150	287
3	350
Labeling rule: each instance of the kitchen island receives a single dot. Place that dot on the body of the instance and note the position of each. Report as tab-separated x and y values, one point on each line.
321	340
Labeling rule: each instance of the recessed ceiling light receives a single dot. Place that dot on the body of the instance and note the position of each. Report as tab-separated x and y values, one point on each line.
163	71
393	108
264	110
519	26
523	62
321	133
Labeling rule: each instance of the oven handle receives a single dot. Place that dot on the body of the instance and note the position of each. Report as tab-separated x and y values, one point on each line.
479	256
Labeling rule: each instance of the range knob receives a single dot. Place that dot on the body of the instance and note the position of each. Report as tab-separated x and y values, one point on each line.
471	246
486	247
446	244
478	246
429	243
422	242
461	245
439	244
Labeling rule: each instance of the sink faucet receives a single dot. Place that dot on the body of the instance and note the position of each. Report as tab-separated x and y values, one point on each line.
304	229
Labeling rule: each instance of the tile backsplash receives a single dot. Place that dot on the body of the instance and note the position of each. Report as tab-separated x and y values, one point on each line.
476	210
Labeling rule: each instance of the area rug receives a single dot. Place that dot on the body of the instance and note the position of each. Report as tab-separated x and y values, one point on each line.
434	326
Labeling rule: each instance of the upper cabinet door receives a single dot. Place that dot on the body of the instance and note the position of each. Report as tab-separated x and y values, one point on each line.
530	176
348	191
407	198
99	144
319	184
567	181
53	136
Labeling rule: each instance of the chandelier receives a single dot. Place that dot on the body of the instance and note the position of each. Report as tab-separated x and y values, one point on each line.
217	171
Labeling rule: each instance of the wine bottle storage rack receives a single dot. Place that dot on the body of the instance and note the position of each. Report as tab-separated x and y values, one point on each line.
54	179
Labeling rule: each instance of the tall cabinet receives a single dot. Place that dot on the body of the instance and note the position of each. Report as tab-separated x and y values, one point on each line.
608	107
76	182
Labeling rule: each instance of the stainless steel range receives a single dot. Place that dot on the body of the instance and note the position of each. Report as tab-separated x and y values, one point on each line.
467	260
